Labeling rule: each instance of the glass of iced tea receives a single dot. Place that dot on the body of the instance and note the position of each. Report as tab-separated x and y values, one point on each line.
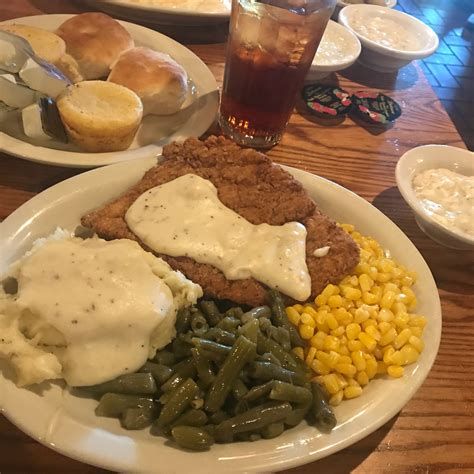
271	46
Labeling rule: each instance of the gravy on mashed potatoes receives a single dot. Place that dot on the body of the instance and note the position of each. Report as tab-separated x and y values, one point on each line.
88	310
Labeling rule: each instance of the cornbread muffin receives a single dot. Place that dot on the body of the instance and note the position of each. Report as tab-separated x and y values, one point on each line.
95	41
160	82
100	116
48	46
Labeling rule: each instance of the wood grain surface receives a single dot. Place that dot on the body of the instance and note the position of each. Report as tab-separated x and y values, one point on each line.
435	430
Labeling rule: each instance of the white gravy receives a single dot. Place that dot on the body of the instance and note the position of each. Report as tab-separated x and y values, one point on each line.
185	217
448	197
104	300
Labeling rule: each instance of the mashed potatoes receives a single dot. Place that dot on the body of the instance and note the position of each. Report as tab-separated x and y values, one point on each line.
88	310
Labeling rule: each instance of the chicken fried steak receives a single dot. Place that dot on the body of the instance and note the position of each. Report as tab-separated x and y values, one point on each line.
249	183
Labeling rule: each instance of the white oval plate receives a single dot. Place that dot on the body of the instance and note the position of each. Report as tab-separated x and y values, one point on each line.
166	12
67	424
197	114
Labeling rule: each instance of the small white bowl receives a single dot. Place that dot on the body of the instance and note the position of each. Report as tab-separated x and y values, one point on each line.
341	4
384	58
339	44
427	157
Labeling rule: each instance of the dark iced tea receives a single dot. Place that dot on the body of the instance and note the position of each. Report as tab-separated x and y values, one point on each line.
267	60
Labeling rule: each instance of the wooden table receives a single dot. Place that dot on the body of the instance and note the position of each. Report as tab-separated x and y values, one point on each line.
435	430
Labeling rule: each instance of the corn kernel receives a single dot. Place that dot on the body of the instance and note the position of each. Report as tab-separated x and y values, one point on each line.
310	310
409	353
384	327
335	301
352	293
402	320
332	321
416	331
343	350
331	343
361	315
383	277
330	359
409	294
330	290
390	287
419	321
371	368
346	369
416	342
308	320
299	352
355	345
352	331
338	332
317	340
371	330
369	322
311	355
341	380
397	358
395	371
331	383
293	315
358	359
298	307
362	378
320	300
352	392
385	315
399	308
306	332
388	337
370	298
387	300
345	360
387	355
336	399
367	340
365	282
402	338
407	280
361	269
319	367
347	227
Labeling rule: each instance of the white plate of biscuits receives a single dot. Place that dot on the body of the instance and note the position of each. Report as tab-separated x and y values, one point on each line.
127	91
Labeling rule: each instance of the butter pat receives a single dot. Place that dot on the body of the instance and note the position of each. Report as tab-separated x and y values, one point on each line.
43	78
13	94
32	123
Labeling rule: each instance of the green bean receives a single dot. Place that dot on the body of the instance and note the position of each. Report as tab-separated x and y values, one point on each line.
183	320
269	357
228	324
180	348
185	367
290	393
211	346
191	417
178	402
172	383
273	430
114	404
190	437
239	389
186	337
199	324
165	357
243	351
161	373
211	312
258	391
219	335
266	371
203	368
264	324
264	344
133	384
280	318
297	415
218	417
209	429
235	312
254	419
250	330
211	356
137	418
282	336
321	411
257	312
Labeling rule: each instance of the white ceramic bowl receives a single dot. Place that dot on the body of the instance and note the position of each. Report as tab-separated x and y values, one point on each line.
384	58
338	50
431	157
341	4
